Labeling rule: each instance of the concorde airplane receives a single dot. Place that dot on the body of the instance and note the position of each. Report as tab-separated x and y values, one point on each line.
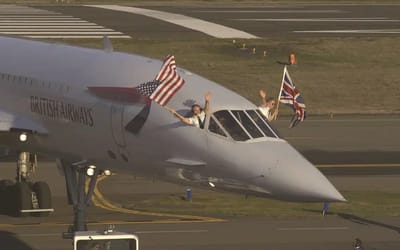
81	106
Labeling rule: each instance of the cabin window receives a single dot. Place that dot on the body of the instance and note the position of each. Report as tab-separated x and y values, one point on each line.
215	128
247	123
231	126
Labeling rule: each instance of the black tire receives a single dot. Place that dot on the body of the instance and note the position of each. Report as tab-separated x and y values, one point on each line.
7	196
23	196
43	194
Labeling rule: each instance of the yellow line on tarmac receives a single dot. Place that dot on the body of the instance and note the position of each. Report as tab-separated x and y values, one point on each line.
359	165
100	201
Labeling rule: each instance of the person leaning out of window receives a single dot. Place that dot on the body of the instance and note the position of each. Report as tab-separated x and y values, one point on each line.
199	114
267	105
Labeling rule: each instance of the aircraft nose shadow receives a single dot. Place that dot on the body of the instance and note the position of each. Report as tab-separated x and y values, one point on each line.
360	220
10	241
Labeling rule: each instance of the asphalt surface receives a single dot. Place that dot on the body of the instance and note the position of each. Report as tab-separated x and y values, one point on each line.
356	152
347	144
168	232
161	232
262	20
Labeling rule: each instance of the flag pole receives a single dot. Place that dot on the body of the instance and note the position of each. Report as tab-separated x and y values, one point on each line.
280	91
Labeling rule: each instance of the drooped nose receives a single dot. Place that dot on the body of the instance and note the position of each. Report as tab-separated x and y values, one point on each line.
294	178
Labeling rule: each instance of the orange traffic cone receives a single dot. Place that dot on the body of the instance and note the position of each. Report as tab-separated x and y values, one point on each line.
292	59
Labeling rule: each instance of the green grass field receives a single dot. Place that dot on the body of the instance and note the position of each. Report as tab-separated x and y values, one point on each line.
370	204
339	75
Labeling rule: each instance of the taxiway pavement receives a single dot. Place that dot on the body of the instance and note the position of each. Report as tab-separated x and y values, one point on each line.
262	20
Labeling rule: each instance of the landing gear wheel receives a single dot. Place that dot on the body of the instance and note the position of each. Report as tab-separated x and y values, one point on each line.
43	195
23	195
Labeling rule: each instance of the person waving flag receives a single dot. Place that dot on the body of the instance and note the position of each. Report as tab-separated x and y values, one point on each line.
290	96
165	85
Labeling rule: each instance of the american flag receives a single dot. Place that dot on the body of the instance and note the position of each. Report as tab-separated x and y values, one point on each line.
165	85
291	96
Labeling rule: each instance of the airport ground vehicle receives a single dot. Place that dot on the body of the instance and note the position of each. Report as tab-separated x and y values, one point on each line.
109	239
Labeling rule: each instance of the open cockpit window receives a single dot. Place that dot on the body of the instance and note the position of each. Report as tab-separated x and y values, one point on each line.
241	125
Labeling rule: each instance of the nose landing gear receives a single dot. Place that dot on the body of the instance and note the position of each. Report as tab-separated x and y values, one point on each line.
24	197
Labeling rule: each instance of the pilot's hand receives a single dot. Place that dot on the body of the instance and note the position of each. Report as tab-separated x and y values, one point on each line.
263	94
208	96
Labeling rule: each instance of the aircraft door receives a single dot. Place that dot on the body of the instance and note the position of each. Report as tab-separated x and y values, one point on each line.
117	129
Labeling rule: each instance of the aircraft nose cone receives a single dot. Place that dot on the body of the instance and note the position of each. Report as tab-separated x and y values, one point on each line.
296	176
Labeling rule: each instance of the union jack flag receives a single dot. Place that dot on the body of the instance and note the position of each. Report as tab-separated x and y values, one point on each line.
291	97
165	85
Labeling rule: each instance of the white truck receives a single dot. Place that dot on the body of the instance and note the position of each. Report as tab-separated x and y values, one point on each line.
106	240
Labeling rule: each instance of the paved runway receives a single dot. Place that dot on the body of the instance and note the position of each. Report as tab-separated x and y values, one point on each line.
161	232
262	21
362	149
169	232
36	23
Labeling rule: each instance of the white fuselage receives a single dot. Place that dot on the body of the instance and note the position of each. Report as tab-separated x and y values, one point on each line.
46	89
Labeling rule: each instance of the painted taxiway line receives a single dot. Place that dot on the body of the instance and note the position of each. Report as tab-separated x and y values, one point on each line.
50	24
170	231
382	31
46	24
91	32
273	11
80	36
58	27
136	232
99	201
311	228
98	223
377	19
11	18
206	27
29	31
43	21
358	165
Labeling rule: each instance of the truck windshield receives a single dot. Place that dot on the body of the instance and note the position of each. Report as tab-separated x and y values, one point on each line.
114	244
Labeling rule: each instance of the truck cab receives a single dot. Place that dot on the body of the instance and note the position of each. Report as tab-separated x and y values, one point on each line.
106	240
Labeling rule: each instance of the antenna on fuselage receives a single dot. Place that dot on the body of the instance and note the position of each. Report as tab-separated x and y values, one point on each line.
107	46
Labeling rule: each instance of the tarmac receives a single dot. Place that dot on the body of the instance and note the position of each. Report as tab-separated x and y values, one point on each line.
169	231
355	152
262	20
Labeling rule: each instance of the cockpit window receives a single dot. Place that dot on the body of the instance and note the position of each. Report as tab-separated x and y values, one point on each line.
215	128
231	126
247	123
264	125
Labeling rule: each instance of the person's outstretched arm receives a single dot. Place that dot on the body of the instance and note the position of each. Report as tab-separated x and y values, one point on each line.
183	119
207	102
263	96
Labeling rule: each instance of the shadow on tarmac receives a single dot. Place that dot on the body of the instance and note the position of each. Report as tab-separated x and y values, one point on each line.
359	220
10	241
